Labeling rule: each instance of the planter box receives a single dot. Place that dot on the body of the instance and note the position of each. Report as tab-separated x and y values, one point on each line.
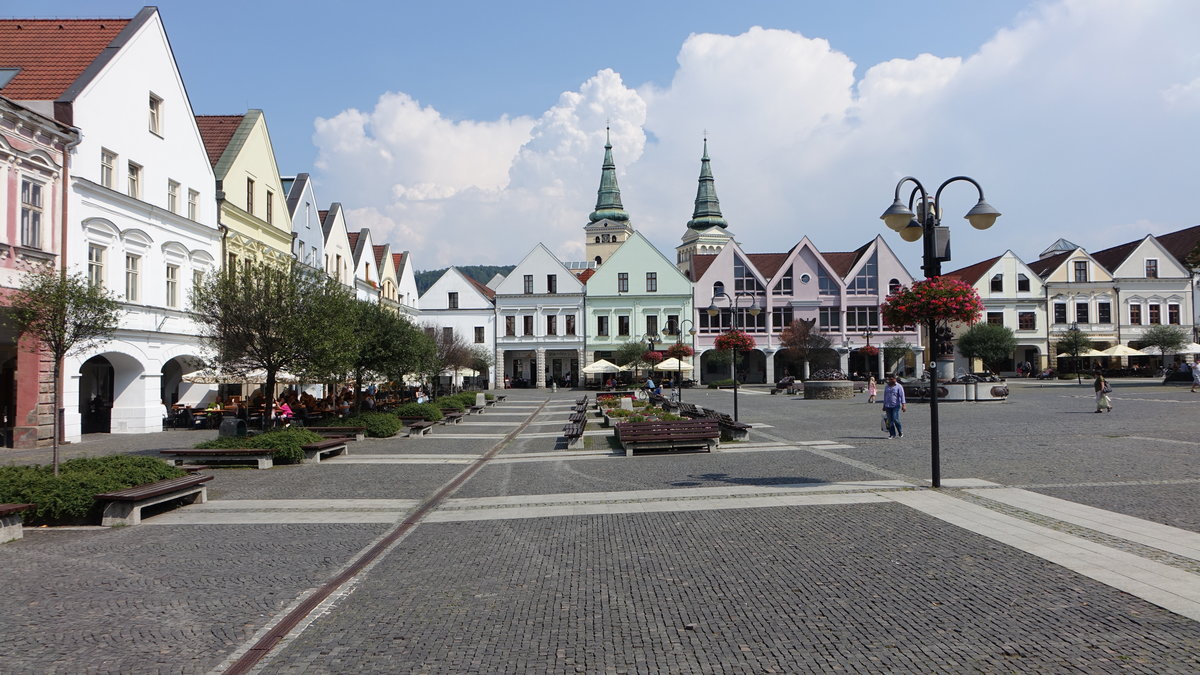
828	389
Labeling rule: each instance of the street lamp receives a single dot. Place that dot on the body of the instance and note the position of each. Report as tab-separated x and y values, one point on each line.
713	310
679	340
866	333
927	223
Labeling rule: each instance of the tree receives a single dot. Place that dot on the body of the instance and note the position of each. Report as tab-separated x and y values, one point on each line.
630	354
988	342
274	319
382	346
66	315
450	351
893	350
1074	342
803	342
1166	339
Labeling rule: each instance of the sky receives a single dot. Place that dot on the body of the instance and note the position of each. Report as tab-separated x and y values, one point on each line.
467	132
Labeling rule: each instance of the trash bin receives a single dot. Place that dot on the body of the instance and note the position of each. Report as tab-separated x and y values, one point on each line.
232	426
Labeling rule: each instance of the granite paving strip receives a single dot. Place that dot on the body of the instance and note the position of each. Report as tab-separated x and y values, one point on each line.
288	511
1164	537
1163	585
402	459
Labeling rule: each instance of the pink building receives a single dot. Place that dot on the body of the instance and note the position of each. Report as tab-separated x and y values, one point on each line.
33	171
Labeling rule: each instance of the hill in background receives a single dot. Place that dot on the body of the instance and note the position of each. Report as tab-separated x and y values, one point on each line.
480	273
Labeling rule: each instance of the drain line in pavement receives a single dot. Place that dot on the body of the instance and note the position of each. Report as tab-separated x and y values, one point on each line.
275	635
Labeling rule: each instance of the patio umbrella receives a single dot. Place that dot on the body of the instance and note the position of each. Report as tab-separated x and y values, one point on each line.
1121	350
673	365
600	367
1189	348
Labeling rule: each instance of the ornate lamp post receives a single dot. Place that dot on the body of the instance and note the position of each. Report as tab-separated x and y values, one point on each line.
713	310
679	340
866	333
927	223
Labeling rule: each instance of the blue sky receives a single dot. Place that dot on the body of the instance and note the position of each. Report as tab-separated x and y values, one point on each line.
442	126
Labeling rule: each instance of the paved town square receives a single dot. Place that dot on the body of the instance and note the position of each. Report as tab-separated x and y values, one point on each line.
1062	541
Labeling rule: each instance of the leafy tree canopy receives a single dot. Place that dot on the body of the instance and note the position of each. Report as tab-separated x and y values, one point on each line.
1166	339
990	343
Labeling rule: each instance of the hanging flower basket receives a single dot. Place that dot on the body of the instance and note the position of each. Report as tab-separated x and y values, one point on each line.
652	357
869	350
680	351
735	339
940	299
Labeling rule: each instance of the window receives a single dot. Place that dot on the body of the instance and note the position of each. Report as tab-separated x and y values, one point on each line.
135	181
1026	321
1103	312
1081	270
602	326
858	318
784	287
528	325
752	323
250	196
172	285
510	326
430	332
1022	283
96	265
108	169
193	204
995	318
1155	314
829	317
893	286
998	283
270	206
570	324
1060	312
132	273
651	282
1081	312
478	335
452	300
652	325
623	325
172	196
866	282
781	317
31	213
528	284
447	335
826	285
155	115
622	282
552	283
231	263
718	289
552	325
672	324
744	279
1151	268
1173	314
1135	315
197	279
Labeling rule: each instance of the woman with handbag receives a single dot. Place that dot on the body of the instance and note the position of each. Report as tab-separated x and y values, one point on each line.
1103	389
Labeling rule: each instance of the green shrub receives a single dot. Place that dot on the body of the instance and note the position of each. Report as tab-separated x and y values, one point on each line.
449	403
618	412
489	397
284	443
428	411
70	498
377	424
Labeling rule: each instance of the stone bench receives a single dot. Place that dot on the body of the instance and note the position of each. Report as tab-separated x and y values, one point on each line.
703	433
260	457
315	451
501	397
452	418
10	521
357	433
419	428
124	507
475	409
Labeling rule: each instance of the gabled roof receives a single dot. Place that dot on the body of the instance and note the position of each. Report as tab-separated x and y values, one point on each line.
1060	246
1044	266
217	131
53	54
767	263
487	292
1181	242
398	261
380	250
972	273
587	274
1111	258
322	213
701	263
353	237
841	262
295	192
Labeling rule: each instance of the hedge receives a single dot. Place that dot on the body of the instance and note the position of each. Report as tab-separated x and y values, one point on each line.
428	411
449	403
377	424
70	498
285	443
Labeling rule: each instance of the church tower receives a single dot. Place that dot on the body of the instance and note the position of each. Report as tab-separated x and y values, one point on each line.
706	231
608	225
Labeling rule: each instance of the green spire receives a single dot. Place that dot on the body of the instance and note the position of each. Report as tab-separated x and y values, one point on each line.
708	208
608	197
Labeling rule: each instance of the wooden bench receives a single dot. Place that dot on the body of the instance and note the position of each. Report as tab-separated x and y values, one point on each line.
261	457
357	433
124	507
573	432
738	431
452	417
10	521
693	434
314	451
419	428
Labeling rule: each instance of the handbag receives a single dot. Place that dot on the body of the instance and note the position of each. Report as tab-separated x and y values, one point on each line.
1105	388
883	425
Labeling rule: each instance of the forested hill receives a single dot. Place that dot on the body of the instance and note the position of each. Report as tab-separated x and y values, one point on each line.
480	273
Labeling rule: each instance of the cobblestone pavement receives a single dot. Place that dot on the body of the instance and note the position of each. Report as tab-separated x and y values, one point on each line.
548	560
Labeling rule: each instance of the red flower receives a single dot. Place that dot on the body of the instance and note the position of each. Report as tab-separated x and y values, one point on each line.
938	299
652	357
735	339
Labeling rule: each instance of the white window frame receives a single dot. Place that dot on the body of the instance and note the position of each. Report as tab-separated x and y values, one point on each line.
173	196
32	212
134	184
193	204
108	168
156	105
172	286
133	277
96	256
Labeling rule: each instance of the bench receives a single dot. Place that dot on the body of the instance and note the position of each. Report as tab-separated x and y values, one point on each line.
261	457
10	521
452	417
314	451
124	507
476	409
500	398
694	434
581	401
419	428
573	431
357	433
738	431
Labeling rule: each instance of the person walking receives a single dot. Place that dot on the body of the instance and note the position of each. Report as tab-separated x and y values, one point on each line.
894	403
871	390
1195	375
1103	389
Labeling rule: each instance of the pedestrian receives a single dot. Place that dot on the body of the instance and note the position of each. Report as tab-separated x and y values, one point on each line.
1103	389
871	390
1195	376
894	403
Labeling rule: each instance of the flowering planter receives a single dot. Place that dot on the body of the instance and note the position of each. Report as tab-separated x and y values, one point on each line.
828	389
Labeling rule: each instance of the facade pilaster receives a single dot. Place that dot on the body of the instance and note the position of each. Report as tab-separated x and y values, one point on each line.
540	368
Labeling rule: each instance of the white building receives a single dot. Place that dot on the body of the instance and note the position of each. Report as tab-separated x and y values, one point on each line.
464	307
539	306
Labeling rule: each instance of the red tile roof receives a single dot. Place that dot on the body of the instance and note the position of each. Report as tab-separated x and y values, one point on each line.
587	274
487	292
217	131
767	264
1045	266
398	261
1181	242
971	273
701	263
353	237
1111	258
51	53
379	251
322	215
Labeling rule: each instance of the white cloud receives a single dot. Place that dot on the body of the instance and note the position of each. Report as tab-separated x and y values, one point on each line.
1074	120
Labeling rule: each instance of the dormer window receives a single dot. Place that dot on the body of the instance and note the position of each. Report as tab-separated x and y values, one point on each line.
1151	268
